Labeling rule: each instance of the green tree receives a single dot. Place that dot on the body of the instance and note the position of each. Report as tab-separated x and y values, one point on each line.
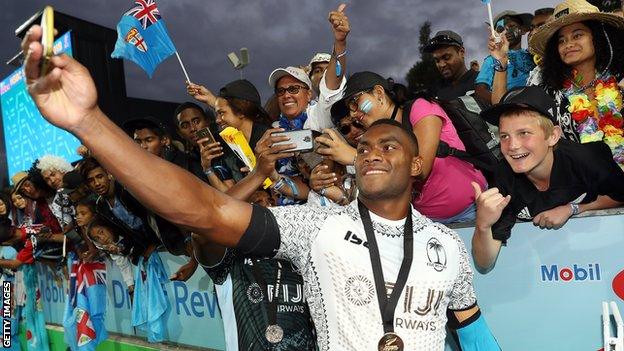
423	73
607	5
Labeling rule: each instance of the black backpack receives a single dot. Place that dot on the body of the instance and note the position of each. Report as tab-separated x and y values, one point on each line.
478	136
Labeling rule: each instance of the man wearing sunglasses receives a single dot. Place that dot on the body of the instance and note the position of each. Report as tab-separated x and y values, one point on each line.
447	49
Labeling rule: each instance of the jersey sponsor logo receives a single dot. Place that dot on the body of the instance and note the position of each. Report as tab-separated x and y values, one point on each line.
354	239
285	294
289	293
408	323
577	273
290	308
422	308
359	290
436	255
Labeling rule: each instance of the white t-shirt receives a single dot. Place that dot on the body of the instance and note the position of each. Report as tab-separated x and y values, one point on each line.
328	246
319	110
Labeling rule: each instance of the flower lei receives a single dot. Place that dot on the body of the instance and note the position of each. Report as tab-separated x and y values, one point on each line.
598	119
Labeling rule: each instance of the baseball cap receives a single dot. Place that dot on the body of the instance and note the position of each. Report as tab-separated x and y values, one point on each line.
533	98
320	57
241	89
523	18
143	122
71	182
362	81
444	38
339	111
295	72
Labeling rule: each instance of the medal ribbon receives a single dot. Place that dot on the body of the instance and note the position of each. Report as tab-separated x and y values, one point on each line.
272	305
387	306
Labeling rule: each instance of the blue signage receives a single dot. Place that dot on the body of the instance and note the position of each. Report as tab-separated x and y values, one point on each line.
27	135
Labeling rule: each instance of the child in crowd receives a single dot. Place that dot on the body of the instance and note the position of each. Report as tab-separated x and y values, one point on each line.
544	179
85	214
17	210
150	306
84	259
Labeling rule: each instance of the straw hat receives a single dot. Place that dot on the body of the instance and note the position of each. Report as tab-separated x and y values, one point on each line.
18	180
569	12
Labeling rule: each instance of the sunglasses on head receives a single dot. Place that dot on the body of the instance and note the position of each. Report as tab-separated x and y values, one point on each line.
444	40
292	90
345	129
352	102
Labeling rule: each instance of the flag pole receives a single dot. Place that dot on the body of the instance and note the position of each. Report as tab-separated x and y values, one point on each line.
183	69
489	7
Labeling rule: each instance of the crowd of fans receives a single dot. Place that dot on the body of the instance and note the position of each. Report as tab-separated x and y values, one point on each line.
555	108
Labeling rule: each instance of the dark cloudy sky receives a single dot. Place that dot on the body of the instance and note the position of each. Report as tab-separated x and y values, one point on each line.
384	35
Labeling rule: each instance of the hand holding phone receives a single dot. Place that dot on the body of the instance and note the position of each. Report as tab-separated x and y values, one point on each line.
301	138
47	39
205	133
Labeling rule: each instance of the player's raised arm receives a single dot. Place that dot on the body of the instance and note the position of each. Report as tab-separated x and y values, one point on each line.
67	98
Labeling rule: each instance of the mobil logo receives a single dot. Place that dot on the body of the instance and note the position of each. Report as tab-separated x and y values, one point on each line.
576	272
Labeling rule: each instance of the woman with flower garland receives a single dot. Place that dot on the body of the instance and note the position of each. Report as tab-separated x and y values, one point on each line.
581	69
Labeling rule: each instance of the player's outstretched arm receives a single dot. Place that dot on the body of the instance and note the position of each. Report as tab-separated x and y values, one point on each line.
67	98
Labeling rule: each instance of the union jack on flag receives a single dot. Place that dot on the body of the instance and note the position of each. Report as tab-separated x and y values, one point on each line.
145	11
90	274
142	36
73	275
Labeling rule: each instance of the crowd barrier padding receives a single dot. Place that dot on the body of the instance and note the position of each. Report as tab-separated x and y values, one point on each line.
545	292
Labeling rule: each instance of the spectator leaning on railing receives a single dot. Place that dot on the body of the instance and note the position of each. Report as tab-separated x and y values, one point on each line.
544	179
444	191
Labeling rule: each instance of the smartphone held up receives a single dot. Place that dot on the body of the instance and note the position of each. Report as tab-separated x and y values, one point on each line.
47	39
302	139
205	133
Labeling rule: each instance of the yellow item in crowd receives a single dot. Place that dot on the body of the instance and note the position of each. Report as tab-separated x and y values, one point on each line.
239	145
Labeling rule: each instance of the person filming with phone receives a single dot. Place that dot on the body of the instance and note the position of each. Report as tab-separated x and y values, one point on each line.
292	87
237	105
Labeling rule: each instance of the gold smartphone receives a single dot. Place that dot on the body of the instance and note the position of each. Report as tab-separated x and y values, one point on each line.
205	133
47	39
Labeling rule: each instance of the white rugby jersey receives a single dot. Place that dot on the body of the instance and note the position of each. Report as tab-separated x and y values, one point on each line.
329	248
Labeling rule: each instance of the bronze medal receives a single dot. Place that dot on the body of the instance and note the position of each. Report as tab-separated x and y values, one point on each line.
274	334
390	342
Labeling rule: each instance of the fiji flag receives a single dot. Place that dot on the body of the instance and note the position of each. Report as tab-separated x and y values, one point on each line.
142	37
86	305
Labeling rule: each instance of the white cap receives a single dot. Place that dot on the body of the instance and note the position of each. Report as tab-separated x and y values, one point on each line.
295	72
320	57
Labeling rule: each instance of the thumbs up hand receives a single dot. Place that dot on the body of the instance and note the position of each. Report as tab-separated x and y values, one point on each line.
490	205
340	23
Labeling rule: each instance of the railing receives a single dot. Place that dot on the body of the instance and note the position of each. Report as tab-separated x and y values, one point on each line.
545	292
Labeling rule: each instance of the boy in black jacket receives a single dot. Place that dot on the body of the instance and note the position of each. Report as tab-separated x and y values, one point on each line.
544	179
